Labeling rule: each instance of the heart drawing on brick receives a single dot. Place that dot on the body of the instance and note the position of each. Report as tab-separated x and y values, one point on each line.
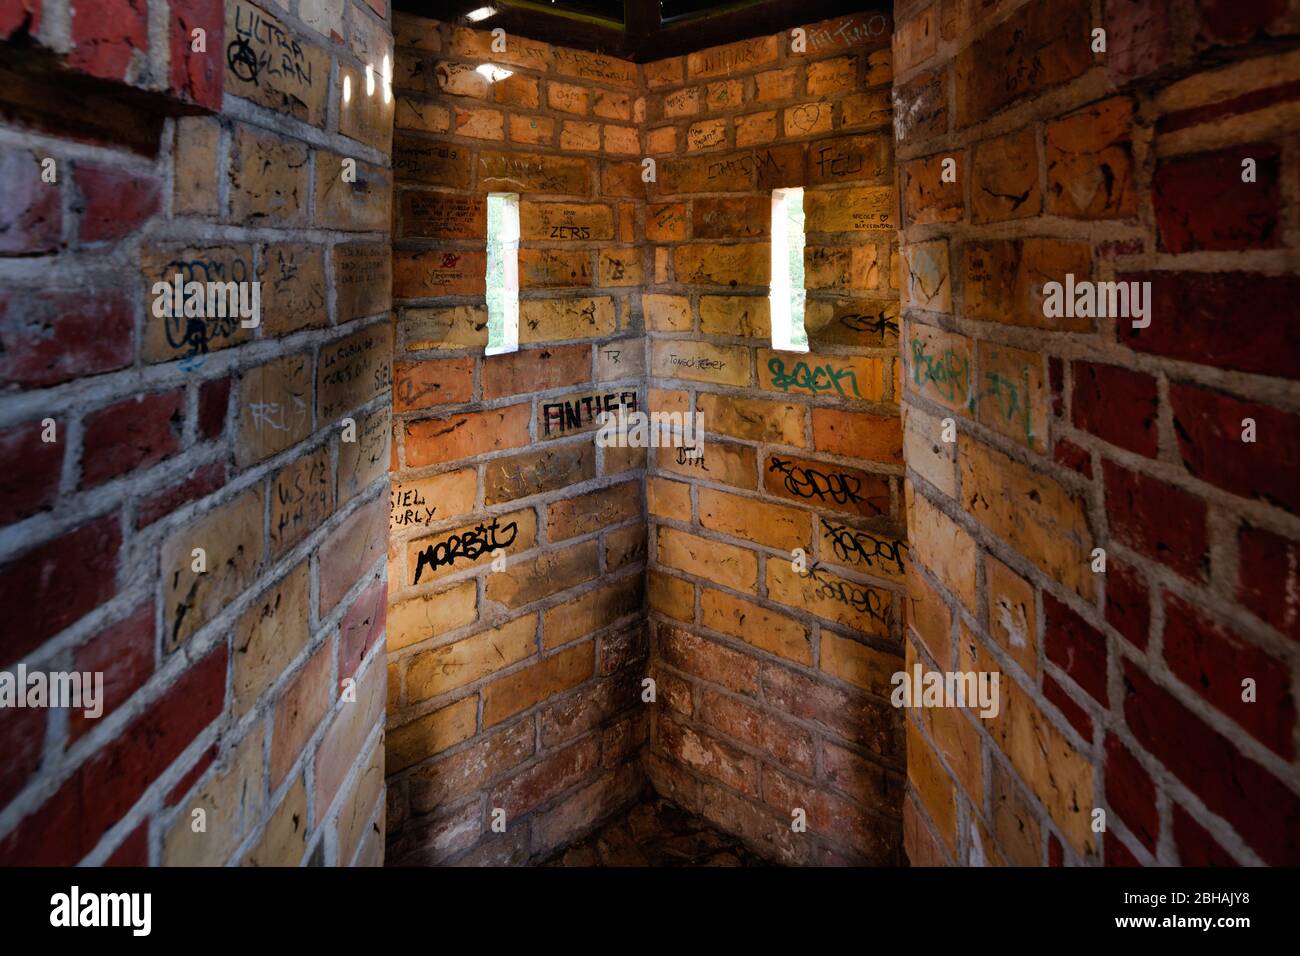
805	117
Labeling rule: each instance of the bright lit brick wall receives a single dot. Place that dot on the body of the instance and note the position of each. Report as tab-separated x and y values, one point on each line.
515	689
773	678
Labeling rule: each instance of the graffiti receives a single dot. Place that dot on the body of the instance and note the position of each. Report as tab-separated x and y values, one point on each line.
810	483
949	373
196	334
410	507
816	378
862	547
580	412
262	46
857	596
878	324
470	544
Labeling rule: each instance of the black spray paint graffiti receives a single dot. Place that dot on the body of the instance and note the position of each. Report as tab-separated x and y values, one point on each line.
877	324
408	507
471	544
248	55
576	413
857	596
810	483
862	547
196	333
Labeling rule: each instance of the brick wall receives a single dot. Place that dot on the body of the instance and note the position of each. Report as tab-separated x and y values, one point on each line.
1122	690
252	691
773	680
516	689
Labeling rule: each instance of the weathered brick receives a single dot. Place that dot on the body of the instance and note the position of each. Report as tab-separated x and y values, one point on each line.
1159	520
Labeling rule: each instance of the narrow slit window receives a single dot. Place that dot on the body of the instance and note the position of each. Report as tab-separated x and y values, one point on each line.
788	294
502	272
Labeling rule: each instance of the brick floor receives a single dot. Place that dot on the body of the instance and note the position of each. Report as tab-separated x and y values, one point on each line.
656	832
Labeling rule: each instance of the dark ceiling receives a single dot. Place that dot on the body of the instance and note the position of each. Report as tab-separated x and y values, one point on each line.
640	29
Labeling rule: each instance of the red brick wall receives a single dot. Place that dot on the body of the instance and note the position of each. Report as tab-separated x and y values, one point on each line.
1122	690
518	689
773	682
253	691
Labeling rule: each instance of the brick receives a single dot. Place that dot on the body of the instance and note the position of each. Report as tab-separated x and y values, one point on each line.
347	730
1128	608
700	361
818	591
448	778
1004	178
756	625
856	210
532	130
434	382
845	159
361	206
838	376
135	433
1013	615
274	413
52	337
1195	845
1054	693
1267	575
517	692
932	786
106	41
362	461
866	110
423	273
591	612
1157	519
927	198
751	418
431	614
113	203
1201	202
536	472
268	179
362	279
110	782
166	339
739	721
532	580
269	636
728	265
1005	279
1030	51
583	514
827	485
349	551
925	451
1116	404
622	140
1012	397
453	492
620	267
231	801
720	563
439	730
435	556
707	755
519	51
298	88
293	288
707	134
1209	426
435	214
552	268
1075	646
580	136
124	654
928	284
30	482
945	548
443	669
198	483
773	525
1211	658
464	436
921	106
1090	162
730	217
1253	801
755	129
1039	518
858	663
660	73
1228	320
545	320
525	172
878	438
